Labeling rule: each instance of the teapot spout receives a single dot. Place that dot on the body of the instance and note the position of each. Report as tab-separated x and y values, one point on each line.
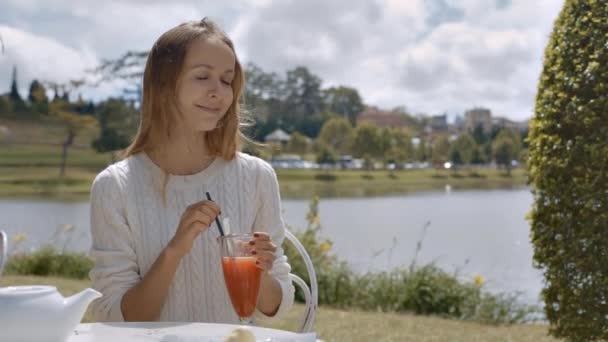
77	304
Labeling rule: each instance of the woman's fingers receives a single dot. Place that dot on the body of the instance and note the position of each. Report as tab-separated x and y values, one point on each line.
200	217
261	236
264	259
264	245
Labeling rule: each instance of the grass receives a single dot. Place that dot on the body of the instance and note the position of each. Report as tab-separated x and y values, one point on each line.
356	183
31	181
340	325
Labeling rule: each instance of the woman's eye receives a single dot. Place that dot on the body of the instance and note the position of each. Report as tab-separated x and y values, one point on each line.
201	77
227	83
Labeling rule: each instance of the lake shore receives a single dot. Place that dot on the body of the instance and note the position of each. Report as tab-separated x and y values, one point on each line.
43	182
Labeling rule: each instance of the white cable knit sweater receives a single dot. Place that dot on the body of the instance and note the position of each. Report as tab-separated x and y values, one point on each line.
130	226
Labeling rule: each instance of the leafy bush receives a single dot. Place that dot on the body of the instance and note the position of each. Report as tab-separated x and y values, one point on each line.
568	167
48	262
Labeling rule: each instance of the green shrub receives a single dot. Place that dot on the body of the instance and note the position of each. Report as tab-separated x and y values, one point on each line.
48	262
568	168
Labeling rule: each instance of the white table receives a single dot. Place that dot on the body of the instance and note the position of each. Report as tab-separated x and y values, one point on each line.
175	332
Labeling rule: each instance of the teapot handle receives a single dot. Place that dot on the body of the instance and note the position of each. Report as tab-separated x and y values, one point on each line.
3	249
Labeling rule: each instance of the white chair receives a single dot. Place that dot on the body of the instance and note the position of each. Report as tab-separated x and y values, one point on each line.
3	249
311	294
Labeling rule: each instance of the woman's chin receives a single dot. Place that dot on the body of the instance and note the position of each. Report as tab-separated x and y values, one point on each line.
208	127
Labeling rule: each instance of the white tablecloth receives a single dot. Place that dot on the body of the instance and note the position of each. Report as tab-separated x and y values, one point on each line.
175	332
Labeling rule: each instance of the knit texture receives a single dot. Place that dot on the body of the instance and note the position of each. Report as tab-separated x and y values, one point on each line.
130	226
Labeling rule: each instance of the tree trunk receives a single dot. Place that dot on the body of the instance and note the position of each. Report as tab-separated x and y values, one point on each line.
64	153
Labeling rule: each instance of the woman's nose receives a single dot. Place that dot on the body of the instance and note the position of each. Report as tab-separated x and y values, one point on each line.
213	91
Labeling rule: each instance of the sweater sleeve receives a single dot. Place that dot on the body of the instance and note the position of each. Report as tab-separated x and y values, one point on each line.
269	219
115	267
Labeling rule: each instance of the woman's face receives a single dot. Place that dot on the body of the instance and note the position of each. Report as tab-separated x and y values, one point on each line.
204	88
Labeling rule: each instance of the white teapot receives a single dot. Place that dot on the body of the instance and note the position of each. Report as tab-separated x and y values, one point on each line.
39	313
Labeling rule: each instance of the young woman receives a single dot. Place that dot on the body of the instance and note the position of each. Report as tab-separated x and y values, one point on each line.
153	232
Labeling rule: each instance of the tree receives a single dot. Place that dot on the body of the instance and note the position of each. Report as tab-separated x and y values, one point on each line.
118	123
480	135
262	90
303	90
367	141
344	101
298	143
440	151
326	155
37	96
128	68
401	148
568	170
14	96
6	107
422	151
37	93
385	142
506	148
338	134
463	150
74	124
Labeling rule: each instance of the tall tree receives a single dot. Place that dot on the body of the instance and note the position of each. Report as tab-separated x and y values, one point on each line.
463	149
303	90
440	150
338	134
506	148
344	101
401	148
422	153
367	141
568	168
14	96
298	143
37	93
117	123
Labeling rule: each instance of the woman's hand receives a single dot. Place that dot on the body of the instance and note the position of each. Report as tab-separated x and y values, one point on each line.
263	249
195	220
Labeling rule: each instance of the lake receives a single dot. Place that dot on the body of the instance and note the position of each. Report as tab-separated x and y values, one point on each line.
470	232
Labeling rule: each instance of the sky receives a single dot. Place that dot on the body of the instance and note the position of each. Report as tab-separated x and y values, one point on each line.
429	56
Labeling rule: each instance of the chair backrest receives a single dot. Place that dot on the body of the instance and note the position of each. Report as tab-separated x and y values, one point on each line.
311	294
3	249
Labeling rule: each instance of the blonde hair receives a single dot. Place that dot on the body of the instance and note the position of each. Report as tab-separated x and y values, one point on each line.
158	108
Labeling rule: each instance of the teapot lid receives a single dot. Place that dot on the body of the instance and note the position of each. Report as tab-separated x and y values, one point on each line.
26	290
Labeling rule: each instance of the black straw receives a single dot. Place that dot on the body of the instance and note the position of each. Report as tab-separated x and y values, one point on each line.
217	220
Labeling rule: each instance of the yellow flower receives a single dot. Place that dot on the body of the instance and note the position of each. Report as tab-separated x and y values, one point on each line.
478	280
19	237
325	246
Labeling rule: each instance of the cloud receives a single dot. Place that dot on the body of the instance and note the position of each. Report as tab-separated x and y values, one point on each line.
42	58
429	55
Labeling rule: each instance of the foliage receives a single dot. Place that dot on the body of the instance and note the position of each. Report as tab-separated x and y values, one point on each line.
568	168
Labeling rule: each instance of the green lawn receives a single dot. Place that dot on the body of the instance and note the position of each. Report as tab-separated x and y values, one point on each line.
339	325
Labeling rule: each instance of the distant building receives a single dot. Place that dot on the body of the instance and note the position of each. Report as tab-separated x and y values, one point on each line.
277	138
478	117
382	119
439	123
520	126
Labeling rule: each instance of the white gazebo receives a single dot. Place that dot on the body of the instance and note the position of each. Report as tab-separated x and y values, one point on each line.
278	138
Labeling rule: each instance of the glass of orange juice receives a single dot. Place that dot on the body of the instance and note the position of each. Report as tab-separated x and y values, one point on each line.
241	274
